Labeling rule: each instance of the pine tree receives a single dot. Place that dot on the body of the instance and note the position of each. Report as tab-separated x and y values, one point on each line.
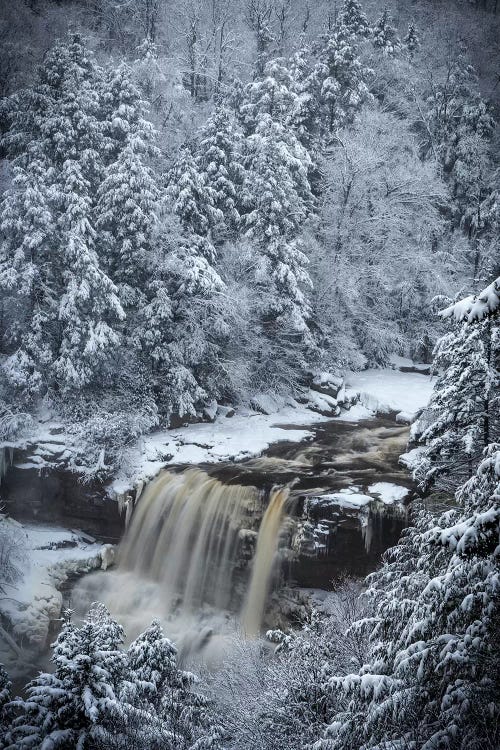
181	715
384	34
128	194
89	298
278	201
333	90
270	94
181	329
5	697
194	200
411	40
429	681
76	704
219	159
29	291
70	308
352	17
460	420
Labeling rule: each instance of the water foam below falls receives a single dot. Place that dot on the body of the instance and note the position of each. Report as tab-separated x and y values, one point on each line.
181	560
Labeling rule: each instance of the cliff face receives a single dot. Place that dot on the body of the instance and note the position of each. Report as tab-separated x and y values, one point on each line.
55	495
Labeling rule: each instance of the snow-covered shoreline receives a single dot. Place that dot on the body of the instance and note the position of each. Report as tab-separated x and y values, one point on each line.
247	434
52	555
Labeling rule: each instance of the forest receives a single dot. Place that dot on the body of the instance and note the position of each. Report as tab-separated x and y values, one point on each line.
219	205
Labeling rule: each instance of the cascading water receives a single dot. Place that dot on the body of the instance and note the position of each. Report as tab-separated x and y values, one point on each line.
267	545
184	534
181	556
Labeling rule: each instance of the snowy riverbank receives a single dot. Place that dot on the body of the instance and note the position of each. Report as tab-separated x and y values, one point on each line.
247	433
48	556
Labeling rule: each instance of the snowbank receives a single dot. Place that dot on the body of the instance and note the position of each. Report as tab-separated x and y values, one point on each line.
388	390
234	435
53	555
244	435
388	492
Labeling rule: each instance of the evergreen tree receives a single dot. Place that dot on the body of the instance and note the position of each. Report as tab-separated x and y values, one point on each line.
333	90
74	706
428	681
89	298
194	201
219	158
278	201
411	40
352	17
460	420
270	94
128	194
28	282
5	697
181	329
384	35
181	716
70	307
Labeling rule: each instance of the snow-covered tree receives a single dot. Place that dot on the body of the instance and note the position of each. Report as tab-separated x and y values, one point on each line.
385	35
375	223
269	94
411	40
74	705
194	199
270	701
29	293
128	193
332	91
462	417
70	307
89	303
259	18
13	555
5	697
278	201
180	328
428	680
457	130
181	717
353	18
219	158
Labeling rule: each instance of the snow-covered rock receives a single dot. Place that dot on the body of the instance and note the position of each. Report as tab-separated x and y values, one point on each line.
54	554
387	390
389	493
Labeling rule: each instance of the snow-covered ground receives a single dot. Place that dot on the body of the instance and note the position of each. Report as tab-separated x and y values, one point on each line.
52	555
248	434
244	433
386	390
241	436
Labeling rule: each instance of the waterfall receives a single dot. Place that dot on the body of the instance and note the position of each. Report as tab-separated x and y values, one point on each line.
184	534
183	560
267	545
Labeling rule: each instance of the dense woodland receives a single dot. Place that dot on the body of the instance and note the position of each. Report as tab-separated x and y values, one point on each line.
207	200
211	200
